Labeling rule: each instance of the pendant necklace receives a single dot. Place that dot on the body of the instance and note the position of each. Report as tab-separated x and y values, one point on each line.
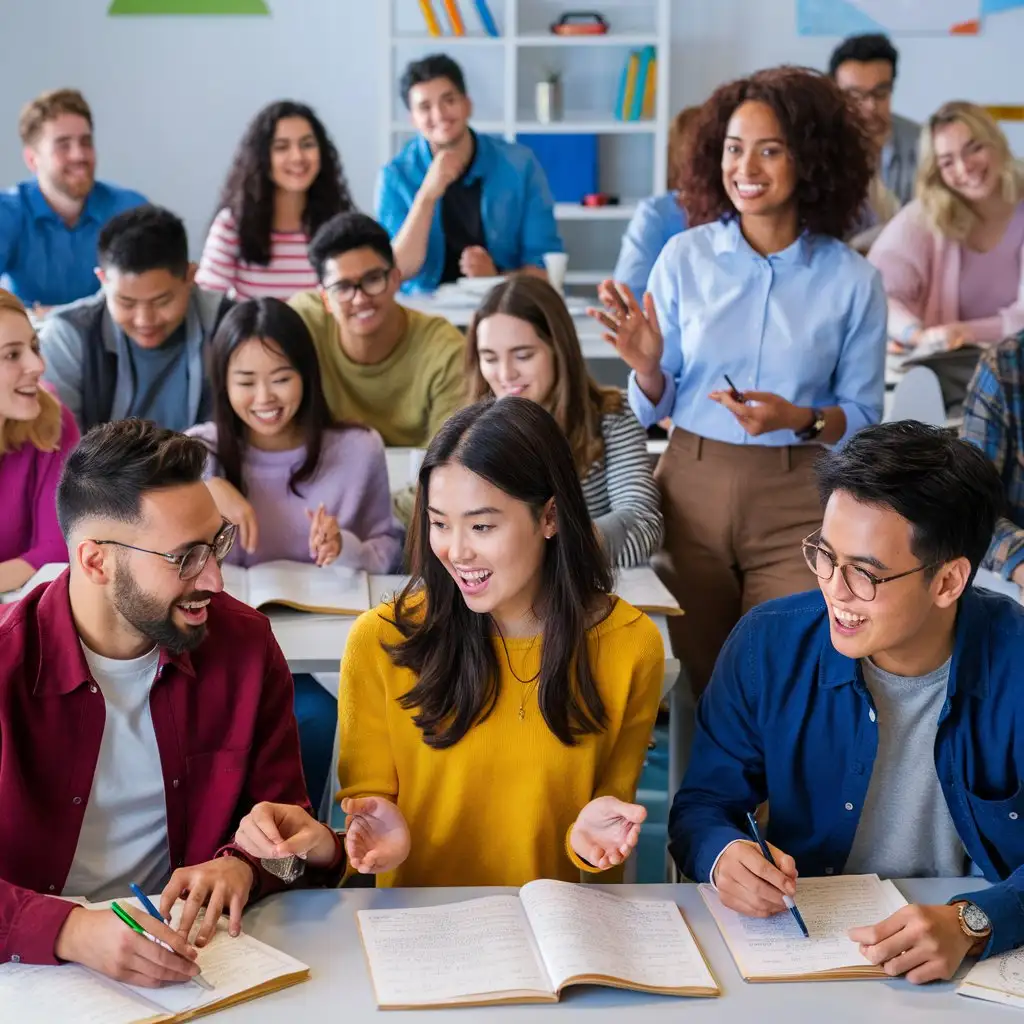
527	684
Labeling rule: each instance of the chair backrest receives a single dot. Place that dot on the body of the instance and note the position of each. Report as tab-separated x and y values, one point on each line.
918	396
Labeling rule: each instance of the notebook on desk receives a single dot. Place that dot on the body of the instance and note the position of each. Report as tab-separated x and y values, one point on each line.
1000	979
330	590
527	948
239	969
642	589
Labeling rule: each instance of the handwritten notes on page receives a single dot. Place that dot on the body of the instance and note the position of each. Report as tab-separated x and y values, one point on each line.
997	980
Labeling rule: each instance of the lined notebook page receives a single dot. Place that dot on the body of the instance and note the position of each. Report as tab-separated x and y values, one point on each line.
452	952
584	931
997	980
774	947
44	995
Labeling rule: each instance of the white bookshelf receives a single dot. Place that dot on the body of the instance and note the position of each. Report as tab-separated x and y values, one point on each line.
501	74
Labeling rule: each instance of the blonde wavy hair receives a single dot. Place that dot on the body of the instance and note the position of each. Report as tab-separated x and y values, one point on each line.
44	431
946	211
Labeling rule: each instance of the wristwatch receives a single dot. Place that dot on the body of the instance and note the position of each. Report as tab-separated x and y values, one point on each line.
817	425
974	922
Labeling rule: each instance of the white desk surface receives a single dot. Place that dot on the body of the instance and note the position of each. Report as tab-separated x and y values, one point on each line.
319	928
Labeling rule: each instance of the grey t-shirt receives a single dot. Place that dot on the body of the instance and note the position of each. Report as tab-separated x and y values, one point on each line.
905	828
161	382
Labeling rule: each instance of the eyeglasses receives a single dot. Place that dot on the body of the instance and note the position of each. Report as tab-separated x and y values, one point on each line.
879	94
193	562
373	282
861	583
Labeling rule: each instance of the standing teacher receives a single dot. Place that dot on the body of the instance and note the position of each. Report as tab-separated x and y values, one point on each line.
764	291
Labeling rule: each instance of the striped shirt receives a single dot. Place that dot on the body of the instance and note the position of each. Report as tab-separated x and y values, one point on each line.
222	269
621	495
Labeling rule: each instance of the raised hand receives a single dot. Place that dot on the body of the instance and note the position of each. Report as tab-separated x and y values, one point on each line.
377	836
633	330
606	830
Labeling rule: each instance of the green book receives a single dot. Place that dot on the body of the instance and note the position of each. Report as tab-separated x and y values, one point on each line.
188	7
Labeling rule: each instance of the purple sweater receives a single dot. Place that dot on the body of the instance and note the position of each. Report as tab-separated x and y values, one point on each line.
352	483
28	527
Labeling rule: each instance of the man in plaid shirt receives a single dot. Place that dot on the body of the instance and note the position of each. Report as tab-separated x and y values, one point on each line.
994	421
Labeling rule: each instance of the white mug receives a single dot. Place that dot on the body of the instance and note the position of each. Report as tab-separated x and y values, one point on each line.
556	264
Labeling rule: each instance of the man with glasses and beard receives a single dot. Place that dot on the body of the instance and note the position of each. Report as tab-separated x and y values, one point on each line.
881	718
143	712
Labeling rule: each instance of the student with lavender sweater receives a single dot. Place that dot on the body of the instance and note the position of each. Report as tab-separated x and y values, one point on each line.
36	434
299	486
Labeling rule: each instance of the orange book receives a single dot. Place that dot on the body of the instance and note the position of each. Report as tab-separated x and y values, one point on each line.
455	18
433	25
650	90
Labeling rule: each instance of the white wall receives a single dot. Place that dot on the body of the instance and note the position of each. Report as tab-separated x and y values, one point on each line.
172	95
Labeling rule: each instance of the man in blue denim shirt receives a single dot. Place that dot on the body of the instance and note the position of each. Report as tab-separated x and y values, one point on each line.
457	204
882	718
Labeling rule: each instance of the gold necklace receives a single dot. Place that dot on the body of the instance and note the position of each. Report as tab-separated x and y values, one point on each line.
528	684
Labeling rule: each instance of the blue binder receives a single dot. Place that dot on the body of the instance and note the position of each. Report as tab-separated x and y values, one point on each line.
569	162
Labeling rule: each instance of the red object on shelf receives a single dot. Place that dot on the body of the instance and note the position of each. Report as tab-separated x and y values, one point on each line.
580	23
600	199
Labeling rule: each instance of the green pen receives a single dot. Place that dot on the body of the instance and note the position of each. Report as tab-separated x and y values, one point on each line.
127	918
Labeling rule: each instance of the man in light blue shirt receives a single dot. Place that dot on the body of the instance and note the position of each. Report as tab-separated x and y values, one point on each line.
49	225
455	203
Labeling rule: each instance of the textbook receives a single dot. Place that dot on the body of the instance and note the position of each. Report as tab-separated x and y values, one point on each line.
239	969
330	590
642	589
774	949
1000	979
527	948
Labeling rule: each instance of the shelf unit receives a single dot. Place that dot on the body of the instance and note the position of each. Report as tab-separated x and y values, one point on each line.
500	75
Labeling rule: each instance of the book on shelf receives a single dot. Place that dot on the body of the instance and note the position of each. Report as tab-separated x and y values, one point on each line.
627	87
330	589
648	108
774	949
454	17
645	57
527	948
430	17
486	18
239	969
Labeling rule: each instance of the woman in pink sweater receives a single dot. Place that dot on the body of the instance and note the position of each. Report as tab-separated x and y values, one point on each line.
36	434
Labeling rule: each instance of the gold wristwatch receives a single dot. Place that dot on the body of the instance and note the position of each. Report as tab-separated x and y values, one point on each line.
974	923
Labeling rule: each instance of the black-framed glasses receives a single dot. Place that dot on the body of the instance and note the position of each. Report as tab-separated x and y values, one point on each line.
193	562
879	94
861	583
372	283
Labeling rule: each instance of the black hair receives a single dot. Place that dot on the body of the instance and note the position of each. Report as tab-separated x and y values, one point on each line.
249	191
518	447
272	322
345	232
428	69
871	46
947	489
144	238
116	464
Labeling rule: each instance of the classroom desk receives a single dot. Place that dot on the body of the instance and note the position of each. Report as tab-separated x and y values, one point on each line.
319	928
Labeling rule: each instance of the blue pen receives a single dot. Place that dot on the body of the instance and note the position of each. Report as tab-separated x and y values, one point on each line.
788	900
147	903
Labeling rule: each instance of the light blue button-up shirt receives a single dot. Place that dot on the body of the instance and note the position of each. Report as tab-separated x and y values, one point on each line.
655	221
516	207
807	323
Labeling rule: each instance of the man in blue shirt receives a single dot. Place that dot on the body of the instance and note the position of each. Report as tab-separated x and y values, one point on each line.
49	225
881	718
455	203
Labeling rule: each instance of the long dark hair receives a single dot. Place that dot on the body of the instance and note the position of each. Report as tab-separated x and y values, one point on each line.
272	322
249	192
518	447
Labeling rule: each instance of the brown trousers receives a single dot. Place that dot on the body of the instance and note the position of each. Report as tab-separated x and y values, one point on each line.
734	519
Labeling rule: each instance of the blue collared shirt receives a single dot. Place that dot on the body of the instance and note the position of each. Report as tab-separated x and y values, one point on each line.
807	323
655	221
516	207
788	719
42	259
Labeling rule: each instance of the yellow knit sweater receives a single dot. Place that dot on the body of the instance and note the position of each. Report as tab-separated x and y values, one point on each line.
495	808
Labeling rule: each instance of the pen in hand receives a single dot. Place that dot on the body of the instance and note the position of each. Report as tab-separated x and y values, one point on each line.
147	904
734	392
767	854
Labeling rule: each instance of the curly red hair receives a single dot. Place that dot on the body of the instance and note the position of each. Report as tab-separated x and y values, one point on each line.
829	144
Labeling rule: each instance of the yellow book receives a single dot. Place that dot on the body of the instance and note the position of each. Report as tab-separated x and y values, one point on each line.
455	18
632	70
650	90
528	947
433	25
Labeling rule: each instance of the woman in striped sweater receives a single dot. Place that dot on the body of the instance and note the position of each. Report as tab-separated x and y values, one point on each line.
286	180
523	341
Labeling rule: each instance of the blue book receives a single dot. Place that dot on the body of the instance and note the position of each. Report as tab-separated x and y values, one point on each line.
620	97
486	18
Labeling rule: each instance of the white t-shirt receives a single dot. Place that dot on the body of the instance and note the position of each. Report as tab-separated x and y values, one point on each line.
124	831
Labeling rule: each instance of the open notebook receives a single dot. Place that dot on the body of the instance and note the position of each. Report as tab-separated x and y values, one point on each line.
999	979
527	948
774	949
239	969
332	589
642	589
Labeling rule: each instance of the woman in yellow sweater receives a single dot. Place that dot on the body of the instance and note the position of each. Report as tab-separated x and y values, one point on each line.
495	717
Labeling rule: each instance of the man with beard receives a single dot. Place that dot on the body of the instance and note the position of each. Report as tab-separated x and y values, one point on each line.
49	225
143	712
455	203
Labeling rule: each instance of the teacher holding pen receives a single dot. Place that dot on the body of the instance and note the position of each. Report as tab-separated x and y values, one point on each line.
762	289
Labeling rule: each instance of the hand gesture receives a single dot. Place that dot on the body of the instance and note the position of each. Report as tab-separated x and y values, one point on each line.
606	830
273	831
324	536
633	331
924	943
944	338
234	507
377	836
446	166
748	884
99	940
761	412
223	883
476	261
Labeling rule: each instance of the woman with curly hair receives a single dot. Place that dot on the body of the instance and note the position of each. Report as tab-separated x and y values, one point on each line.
762	336
286	180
